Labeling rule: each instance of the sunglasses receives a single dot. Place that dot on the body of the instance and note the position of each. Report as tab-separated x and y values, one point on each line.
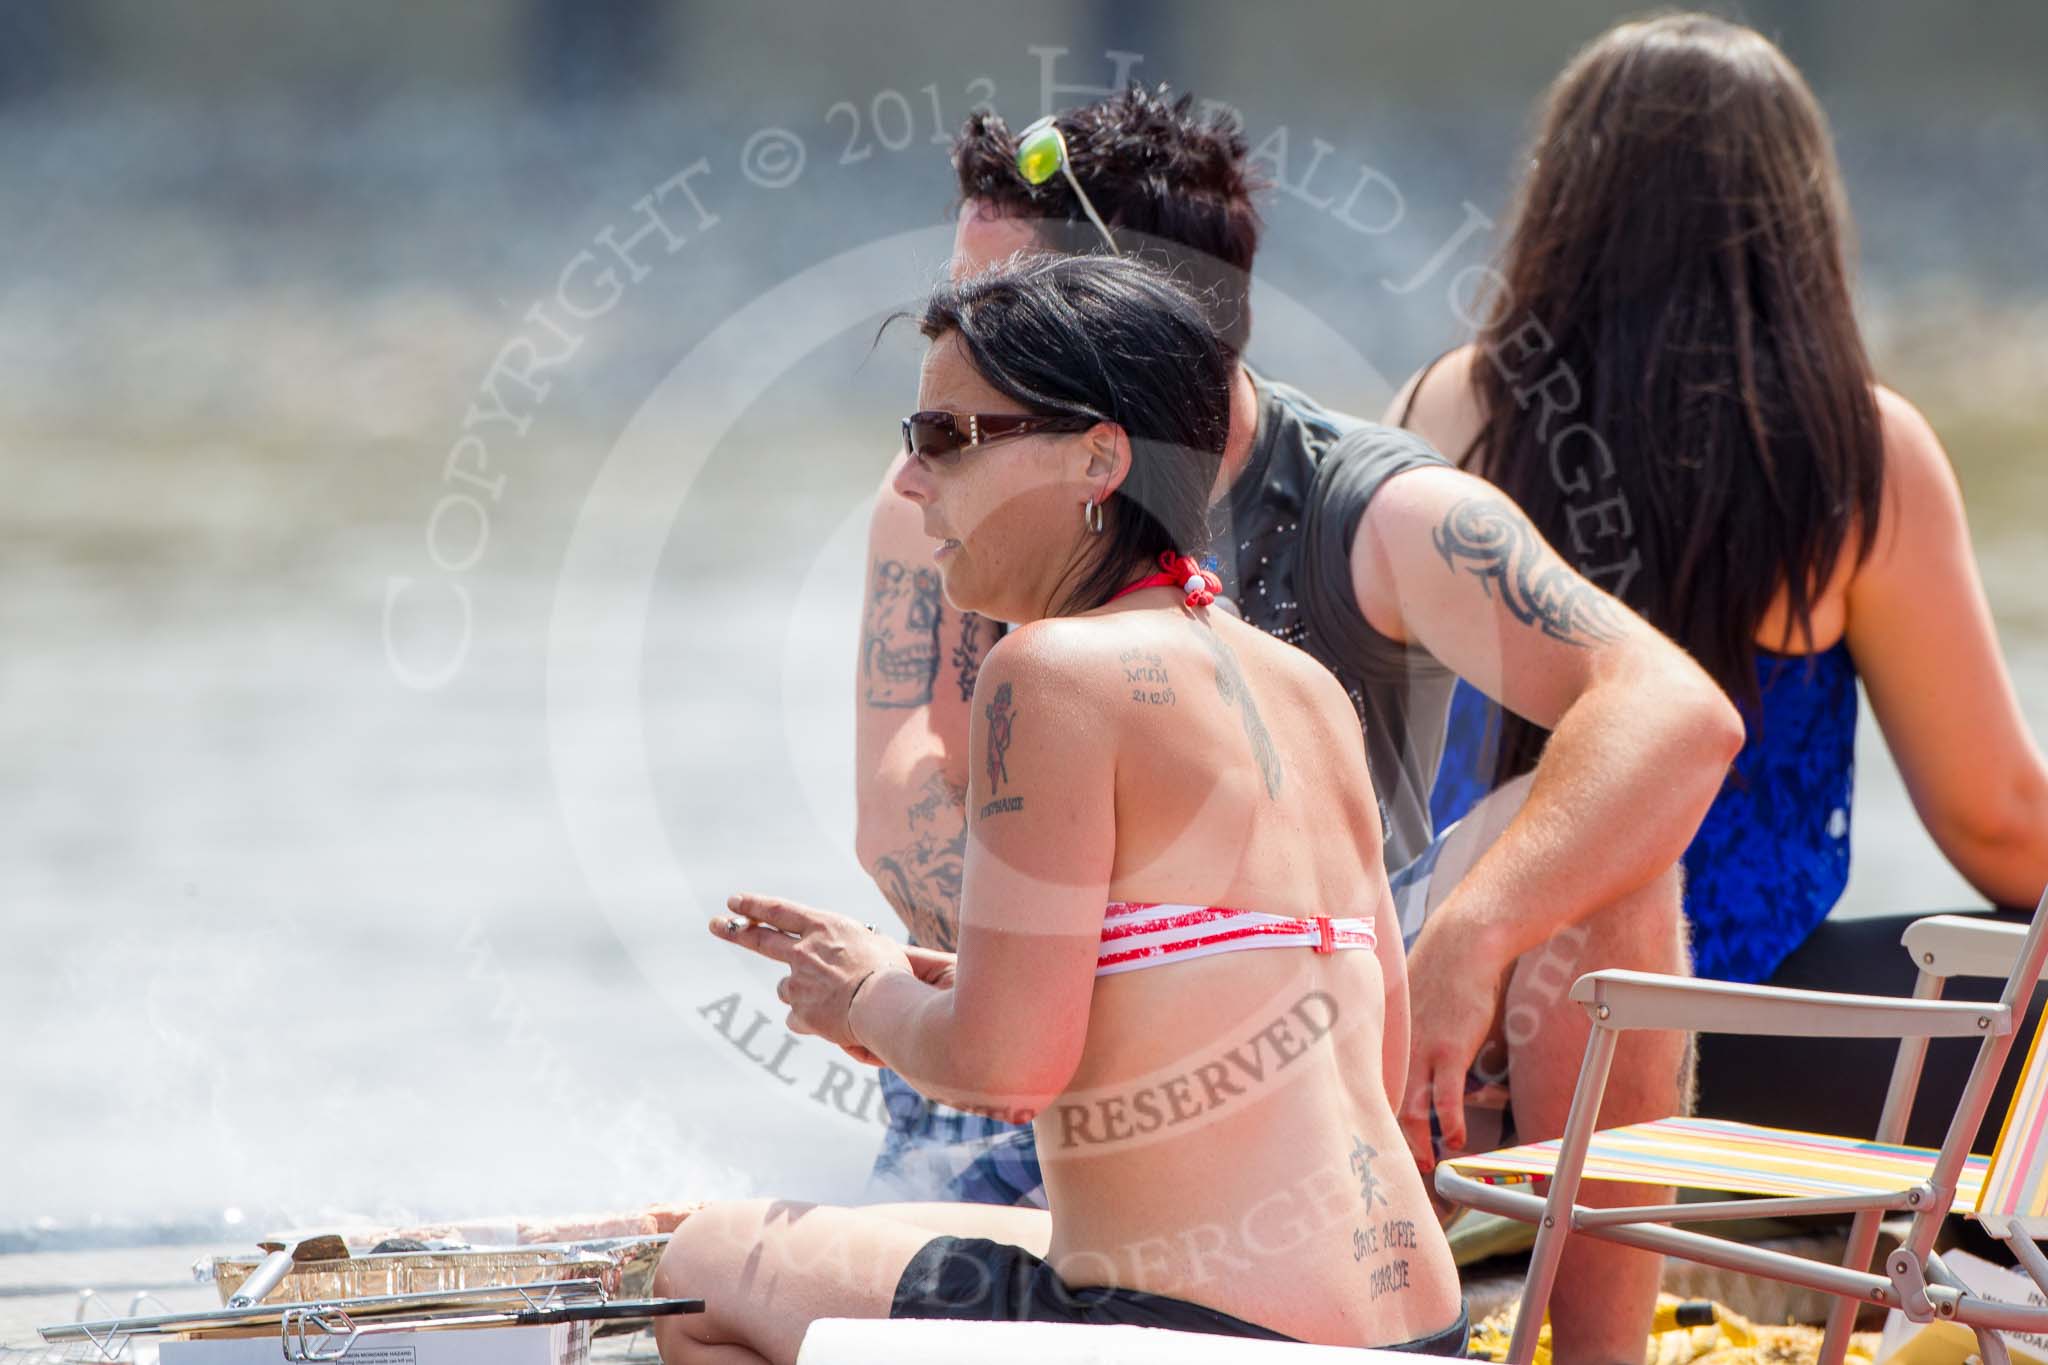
937	438
1042	154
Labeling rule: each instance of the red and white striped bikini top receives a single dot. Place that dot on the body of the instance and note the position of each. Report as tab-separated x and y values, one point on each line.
1147	934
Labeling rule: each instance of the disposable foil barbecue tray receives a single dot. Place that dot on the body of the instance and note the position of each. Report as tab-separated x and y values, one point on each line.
317	1331
624	1266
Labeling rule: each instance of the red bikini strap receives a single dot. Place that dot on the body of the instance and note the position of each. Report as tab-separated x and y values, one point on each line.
1201	585
1183	572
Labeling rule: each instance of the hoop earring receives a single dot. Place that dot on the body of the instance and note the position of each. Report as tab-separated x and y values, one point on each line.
1092	516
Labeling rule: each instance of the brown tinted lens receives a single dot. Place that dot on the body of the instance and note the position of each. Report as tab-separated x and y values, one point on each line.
931	435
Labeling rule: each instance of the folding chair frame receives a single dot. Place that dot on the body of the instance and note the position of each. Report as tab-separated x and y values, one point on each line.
1915	1280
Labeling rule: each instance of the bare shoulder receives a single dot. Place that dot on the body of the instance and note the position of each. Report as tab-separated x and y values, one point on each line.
1920	481
1911	449
1064	662
1439	405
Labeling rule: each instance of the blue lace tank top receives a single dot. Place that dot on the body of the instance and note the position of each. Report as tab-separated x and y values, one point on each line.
1772	856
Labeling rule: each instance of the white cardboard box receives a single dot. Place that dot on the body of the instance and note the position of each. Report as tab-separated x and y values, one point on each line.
1947	1343
561	1343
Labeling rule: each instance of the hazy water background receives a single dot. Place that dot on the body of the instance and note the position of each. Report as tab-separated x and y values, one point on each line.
285	935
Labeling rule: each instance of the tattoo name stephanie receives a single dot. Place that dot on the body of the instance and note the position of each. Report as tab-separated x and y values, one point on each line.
976	634
1496	544
1235	692
1002	805
921	881
1145	674
1002	721
899	646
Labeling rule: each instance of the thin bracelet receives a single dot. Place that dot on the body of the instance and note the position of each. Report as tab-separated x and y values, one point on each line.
849	1009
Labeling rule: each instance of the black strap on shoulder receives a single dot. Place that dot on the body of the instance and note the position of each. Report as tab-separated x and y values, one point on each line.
1408	407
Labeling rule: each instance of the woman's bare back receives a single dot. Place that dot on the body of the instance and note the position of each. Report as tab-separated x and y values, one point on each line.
1228	1136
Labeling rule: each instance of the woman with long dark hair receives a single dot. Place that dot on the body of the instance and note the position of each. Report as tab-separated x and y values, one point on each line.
1670	381
1154	787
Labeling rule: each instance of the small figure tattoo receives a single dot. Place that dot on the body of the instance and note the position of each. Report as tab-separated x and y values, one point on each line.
1002	720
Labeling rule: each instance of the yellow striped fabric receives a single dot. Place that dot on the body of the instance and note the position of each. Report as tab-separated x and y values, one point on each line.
1732	1158
2018	1183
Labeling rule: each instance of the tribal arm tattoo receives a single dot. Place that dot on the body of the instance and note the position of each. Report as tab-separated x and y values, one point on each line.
1231	684
921	881
1495	543
899	645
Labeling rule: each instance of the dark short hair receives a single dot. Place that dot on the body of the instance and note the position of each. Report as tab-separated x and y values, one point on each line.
1109	339
1168	180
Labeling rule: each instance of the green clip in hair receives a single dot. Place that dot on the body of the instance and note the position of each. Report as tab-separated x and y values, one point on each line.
1041	154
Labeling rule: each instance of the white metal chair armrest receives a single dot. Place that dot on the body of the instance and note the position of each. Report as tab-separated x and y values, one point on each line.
1964	945
1620	999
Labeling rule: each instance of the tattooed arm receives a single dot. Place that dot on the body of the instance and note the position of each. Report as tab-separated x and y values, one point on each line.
1640	742
1641	737
915	674
1007	1037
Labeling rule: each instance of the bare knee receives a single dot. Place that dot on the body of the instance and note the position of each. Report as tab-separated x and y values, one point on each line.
705	1259
677	1277
685	1262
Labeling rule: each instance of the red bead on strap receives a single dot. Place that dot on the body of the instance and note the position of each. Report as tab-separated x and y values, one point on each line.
1201	585
1179	571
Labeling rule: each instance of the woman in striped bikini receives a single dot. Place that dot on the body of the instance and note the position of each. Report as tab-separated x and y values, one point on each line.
1213	1088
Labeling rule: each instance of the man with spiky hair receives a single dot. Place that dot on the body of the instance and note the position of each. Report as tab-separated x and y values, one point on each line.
1360	544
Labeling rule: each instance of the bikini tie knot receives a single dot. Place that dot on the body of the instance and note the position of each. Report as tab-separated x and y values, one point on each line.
1198	583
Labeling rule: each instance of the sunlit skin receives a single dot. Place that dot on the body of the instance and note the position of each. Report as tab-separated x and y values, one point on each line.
1283	1194
1578	869
993	564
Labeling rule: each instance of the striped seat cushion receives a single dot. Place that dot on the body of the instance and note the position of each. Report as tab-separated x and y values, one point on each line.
1732	1158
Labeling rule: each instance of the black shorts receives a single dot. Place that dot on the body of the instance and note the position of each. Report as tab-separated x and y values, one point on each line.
977	1280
